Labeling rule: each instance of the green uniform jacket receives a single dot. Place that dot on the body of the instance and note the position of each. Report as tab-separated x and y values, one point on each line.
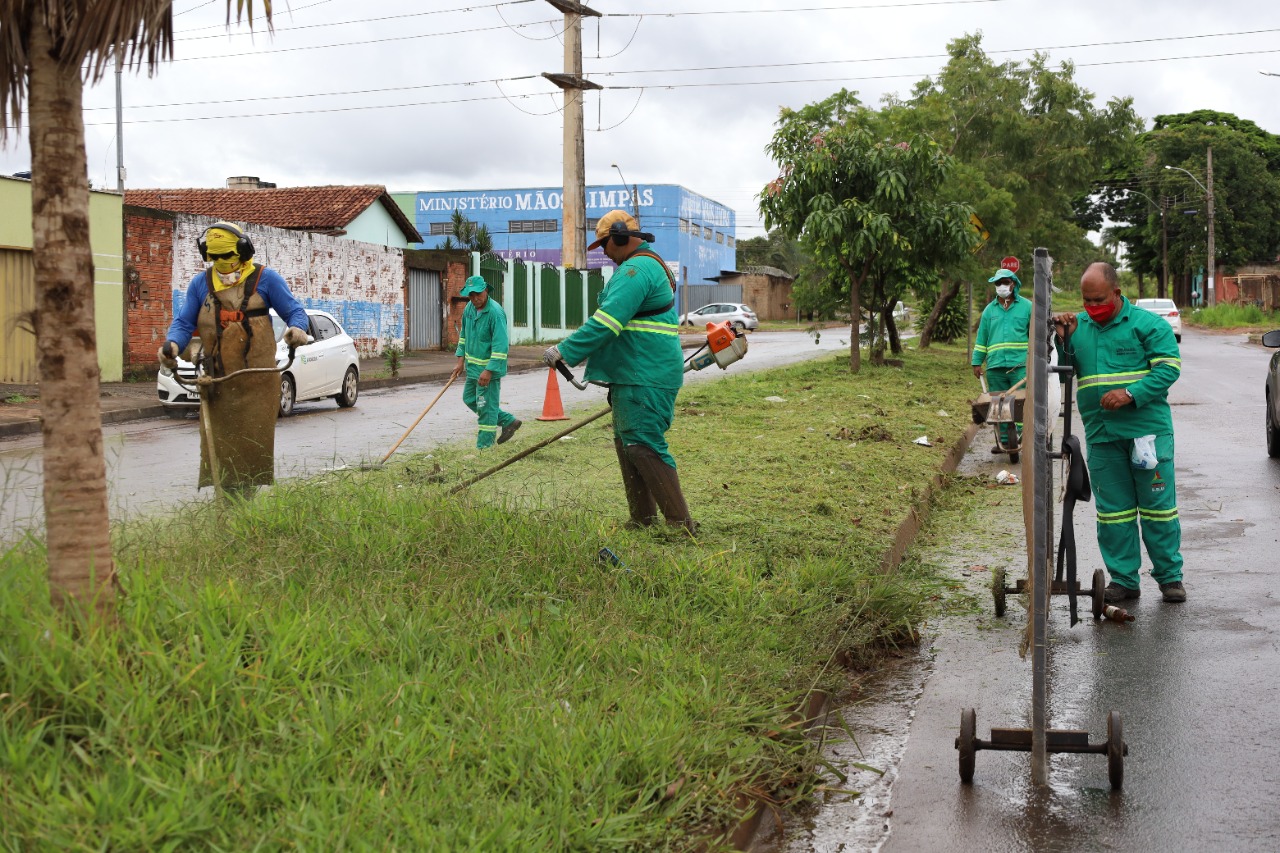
1003	333
1135	351
624	349
484	339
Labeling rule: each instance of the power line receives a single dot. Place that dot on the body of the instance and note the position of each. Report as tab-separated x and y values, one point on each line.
353	20
682	14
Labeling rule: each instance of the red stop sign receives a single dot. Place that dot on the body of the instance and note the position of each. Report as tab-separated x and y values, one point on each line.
1011	264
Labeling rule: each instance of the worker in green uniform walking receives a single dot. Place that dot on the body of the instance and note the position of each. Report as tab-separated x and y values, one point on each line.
1125	360
632	345
482	354
1002	344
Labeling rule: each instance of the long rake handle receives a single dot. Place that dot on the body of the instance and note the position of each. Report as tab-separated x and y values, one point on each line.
523	453
414	425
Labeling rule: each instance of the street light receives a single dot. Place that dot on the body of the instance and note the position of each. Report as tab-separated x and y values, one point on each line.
1164	238
1208	193
635	193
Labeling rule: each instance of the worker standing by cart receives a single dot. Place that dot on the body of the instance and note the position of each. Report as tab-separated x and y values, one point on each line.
229	303
1125	360
1002	344
632	345
482	355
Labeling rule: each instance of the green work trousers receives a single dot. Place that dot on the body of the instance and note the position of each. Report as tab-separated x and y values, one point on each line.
483	400
1002	379
642	415
1126	497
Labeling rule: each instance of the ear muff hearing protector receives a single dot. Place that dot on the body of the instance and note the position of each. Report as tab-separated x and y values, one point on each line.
621	235
244	246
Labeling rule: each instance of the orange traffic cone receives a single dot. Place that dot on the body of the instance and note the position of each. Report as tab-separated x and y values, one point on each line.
552	408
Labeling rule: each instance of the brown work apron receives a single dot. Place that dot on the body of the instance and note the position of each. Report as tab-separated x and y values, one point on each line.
241	423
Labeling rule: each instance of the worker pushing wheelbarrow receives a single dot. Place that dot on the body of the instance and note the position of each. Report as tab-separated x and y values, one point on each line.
1000	362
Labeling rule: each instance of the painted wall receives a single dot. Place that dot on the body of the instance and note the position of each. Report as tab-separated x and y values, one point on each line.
362	284
106	239
694	234
375	225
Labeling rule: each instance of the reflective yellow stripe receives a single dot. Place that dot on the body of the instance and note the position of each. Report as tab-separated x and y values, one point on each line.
1022	345
480	361
1122	517
500	355
1175	362
979	348
653	328
1159	514
608	322
1111	379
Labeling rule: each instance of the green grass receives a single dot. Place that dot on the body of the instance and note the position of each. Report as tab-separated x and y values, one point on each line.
1226	316
363	662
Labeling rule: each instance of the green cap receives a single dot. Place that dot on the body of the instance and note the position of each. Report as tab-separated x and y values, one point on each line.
475	284
1005	274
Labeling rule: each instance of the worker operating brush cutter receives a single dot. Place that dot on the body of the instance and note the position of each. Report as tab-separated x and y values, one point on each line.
632	346
229	303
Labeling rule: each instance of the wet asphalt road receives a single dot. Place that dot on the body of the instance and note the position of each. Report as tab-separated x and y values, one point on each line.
1197	685
152	465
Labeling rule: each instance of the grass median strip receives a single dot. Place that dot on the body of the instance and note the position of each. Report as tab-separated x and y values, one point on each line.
359	661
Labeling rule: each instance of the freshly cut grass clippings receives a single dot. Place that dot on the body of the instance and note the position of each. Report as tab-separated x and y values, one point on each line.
359	661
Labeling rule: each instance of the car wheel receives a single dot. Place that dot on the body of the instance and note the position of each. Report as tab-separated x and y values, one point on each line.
1273	433
287	395
739	327
350	389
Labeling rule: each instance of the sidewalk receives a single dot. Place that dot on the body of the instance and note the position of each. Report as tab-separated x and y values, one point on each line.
129	401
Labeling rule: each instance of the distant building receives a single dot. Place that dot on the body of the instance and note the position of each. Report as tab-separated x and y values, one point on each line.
695	235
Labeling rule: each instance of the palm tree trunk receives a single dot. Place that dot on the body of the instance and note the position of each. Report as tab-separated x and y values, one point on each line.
81	569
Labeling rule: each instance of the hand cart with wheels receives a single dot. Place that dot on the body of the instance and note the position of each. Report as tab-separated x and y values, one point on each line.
1003	410
1039	739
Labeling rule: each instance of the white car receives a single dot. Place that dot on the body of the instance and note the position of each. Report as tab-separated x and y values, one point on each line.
1164	308
739	316
329	366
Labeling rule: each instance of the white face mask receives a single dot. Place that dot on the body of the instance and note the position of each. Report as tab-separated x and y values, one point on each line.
1003	290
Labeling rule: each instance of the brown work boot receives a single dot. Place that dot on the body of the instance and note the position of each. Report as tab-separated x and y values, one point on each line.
509	430
640	502
1116	593
664	485
1174	593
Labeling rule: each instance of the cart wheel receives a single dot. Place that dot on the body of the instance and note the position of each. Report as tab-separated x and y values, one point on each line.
1115	750
1013	458
997	590
1099	603
964	743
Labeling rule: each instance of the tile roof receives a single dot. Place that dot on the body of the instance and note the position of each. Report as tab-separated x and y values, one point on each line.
324	209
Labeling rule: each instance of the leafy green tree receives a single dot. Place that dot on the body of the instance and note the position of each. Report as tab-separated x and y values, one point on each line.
865	205
467	235
48	48
1029	145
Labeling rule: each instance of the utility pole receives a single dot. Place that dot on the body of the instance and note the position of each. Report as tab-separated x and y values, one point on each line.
119	52
1164	249
573	252
1210	299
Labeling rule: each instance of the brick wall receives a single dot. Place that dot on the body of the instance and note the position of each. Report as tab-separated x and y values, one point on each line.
454	277
148	247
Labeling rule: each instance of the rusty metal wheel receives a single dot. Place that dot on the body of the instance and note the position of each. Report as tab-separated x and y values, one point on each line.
1115	750
965	743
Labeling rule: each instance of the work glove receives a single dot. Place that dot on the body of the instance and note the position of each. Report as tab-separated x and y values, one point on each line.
294	337
551	356
169	356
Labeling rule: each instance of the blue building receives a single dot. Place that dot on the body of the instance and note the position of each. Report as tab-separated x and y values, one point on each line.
694	235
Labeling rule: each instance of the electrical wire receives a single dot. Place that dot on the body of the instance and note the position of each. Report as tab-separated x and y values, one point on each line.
799	9
556	34
634	106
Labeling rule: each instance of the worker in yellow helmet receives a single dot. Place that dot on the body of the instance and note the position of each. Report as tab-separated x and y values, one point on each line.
229	304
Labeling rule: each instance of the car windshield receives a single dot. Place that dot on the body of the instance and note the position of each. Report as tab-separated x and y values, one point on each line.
1157	304
746	308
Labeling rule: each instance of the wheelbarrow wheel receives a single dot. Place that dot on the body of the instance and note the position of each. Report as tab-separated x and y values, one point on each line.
1115	750
1099	602
997	590
965	743
1013	458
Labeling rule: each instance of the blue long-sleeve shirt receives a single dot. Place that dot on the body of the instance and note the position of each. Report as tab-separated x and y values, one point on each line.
271	286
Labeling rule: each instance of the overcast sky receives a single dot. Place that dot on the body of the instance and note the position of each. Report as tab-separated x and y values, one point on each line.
380	91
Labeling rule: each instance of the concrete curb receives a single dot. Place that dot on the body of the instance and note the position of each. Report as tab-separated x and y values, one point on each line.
753	829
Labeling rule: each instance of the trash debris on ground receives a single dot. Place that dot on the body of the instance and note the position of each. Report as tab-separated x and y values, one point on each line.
924	441
1005	478
774	398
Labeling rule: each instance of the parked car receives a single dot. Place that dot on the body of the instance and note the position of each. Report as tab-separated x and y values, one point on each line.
740	316
1164	308
329	366
1272	391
